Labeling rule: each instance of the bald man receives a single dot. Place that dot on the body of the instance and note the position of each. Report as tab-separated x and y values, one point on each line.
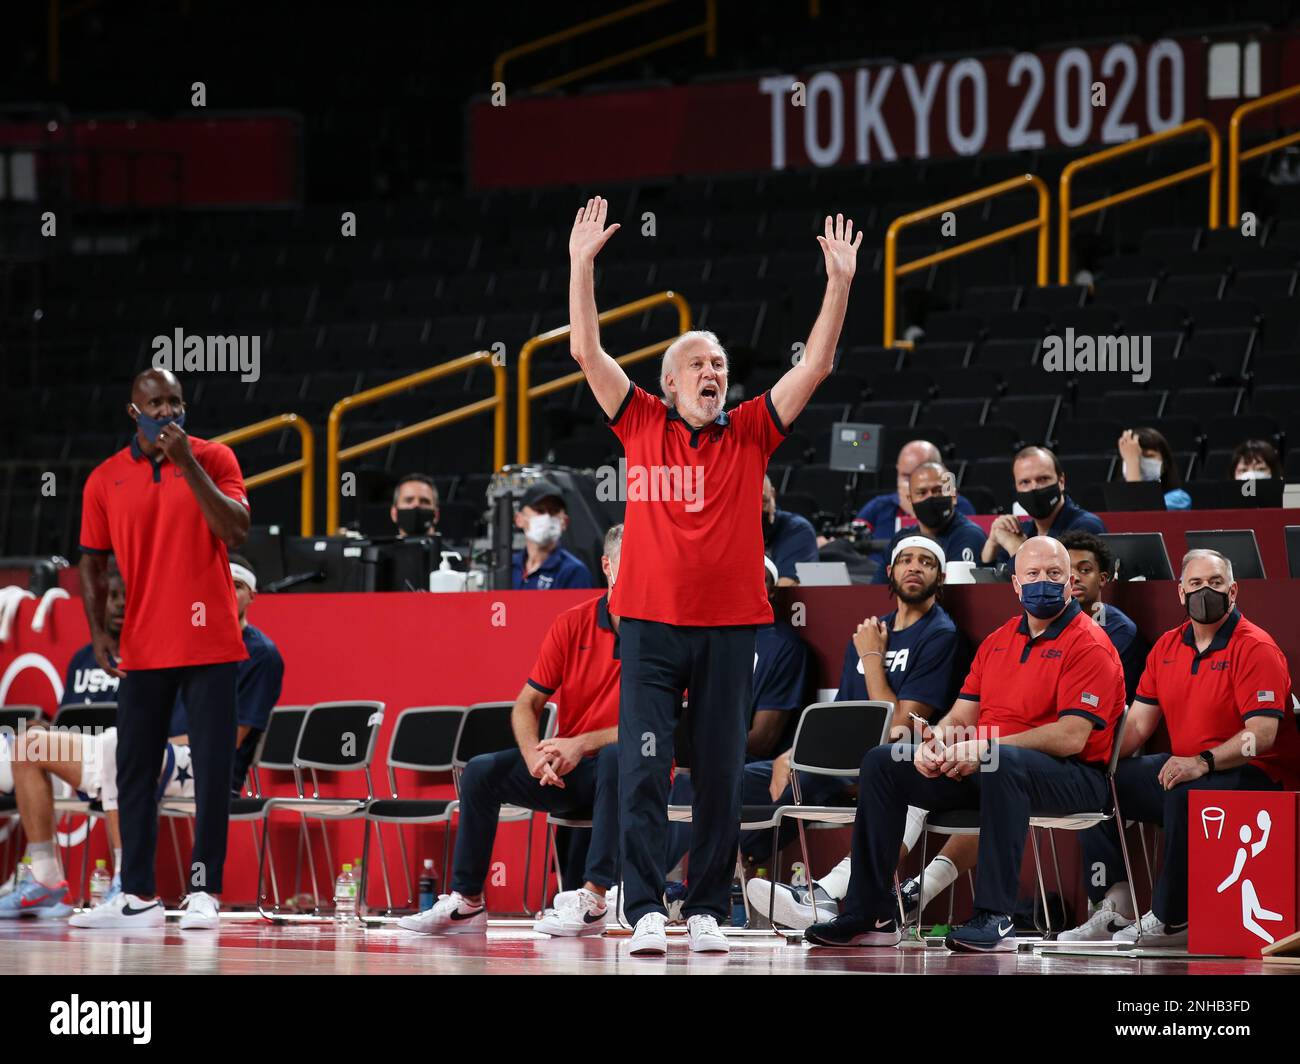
169	507
1029	735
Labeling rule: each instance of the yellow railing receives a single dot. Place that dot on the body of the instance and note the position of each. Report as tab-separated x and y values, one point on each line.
305	466
334	457
893	271
1236	156
708	29
527	394
1068	213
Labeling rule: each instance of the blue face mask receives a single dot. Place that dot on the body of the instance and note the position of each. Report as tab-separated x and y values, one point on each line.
1042	598
152	425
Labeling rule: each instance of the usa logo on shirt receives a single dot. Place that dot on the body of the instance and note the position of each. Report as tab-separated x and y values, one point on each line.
1090	699
1263	696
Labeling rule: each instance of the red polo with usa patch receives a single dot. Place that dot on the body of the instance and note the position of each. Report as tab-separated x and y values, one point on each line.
1069	669
1207	696
692	528
579	660
180	598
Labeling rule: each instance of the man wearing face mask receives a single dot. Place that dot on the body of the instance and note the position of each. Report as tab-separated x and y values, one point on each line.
169	507
1029	735
932	492
544	565
1223	687
1040	490
789	538
415	505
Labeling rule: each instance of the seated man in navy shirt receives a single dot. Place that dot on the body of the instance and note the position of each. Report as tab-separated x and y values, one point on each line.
1040	490
885	514
908	657
86	681
543	564
932	491
787	537
1093	565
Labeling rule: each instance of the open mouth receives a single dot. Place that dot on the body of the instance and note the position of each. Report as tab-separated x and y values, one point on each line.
709	392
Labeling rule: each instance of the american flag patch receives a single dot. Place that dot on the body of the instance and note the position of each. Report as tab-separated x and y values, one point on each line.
1263	696
1090	699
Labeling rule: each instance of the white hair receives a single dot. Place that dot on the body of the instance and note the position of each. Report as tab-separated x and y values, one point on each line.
670	354
1202	552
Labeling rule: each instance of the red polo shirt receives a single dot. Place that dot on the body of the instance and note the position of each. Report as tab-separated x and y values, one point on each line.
1070	669
145	514
693	533
1207	696
579	659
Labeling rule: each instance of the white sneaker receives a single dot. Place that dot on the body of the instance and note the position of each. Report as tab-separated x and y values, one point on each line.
1154	933
1101	926
577	913
705	936
451	915
791	907
126	910
649	939
202	912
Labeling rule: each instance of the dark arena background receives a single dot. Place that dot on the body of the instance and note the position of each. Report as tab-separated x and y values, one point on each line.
341	237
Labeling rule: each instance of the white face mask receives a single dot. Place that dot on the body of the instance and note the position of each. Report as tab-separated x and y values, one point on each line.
1151	468
1255	474
544	529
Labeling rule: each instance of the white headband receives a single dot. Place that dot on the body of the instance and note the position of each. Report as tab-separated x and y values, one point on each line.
238	572
925	543
770	566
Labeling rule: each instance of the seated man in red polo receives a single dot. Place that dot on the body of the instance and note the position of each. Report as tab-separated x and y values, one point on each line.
1030	734
574	774
1222	686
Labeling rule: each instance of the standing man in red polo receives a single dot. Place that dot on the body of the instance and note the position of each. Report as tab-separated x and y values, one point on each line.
1223	687
168	507
691	591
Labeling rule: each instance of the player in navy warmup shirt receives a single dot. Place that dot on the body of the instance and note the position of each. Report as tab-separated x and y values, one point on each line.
86	681
933	494
1093	564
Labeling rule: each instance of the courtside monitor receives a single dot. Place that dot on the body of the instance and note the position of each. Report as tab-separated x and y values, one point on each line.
1139	555
1238	545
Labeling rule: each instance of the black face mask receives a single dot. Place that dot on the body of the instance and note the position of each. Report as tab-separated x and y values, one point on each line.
1041	501
417	521
935	511
1207	605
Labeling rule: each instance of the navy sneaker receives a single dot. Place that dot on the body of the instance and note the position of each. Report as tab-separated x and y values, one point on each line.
911	891
985	932
848	931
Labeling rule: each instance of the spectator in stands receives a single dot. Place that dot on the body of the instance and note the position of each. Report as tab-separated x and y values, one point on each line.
885	513
543	564
932	493
788	538
415	505
576	773
85	680
1223	687
1093	566
1038	711
1256	459
1146	456
1040	491
908	658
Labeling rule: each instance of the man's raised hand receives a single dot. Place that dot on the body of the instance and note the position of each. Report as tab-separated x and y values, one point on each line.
589	232
840	248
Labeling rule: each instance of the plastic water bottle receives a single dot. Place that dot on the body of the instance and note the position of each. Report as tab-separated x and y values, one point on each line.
345	898
100	881
428	885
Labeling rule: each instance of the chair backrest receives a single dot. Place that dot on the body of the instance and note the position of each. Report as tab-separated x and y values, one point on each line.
486	729
424	738
1120	725
339	736
280	739
833	737
87	716
14	717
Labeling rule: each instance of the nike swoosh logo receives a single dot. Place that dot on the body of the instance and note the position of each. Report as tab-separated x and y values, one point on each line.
118	483
587	647
458	915
591	918
1115	925
127	910
883	923
1005	930
31	903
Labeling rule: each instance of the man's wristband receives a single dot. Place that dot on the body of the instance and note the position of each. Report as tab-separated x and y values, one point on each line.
867	654
1208	758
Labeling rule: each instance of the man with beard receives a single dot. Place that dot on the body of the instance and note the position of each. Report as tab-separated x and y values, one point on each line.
544	565
789	538
906	657
932	491
1030	734
1223	687
1040	491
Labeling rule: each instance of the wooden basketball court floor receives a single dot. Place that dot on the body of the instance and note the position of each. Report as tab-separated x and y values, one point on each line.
247	945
